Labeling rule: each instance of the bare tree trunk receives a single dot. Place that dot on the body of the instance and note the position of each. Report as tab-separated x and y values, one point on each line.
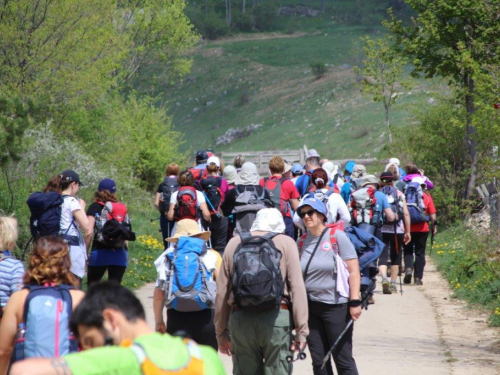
243	6
254	4
470	134
323	6
387	123
206	8
228	13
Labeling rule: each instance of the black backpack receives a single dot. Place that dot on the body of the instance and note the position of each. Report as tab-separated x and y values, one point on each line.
392	197
257	281
211	187
167	188
45	208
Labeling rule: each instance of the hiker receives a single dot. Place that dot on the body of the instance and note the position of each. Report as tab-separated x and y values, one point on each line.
296	170
105	255
260	325
110	323
48	283
164	192
246	199
194	314
396	162
352	172
187	202
413	172
334	174
11	269
238	162
397	183
214	189
282	192
332	281
72	219
304	182
201	160
394	234
414	251
230	174
336	208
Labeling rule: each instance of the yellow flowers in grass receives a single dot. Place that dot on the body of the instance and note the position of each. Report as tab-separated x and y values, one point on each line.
150	242
497	311
457	285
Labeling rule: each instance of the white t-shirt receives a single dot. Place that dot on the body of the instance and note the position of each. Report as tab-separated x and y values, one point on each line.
199	197
69	205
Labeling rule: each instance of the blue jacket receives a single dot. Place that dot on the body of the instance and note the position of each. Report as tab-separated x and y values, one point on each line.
367	246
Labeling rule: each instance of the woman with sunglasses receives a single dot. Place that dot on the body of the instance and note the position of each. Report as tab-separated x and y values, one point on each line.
332	285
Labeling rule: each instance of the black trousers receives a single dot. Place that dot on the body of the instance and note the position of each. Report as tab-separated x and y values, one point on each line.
395	251
166	227
197	325
218	228
95	273
326	322
417	246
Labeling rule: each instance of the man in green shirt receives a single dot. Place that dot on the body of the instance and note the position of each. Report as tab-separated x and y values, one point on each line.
111	314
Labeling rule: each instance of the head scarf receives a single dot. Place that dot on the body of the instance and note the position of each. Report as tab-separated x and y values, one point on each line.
268	220
248	175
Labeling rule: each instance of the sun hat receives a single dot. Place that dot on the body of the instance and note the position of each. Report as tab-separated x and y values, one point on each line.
370	179
70	175
359	170
248	175
312	153
387	176
230	174
288	168
107	184
215	160
394	161
268	220
189	228
314	203
201	156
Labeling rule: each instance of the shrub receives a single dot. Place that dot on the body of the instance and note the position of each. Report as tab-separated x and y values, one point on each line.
318	69
242	22
266	16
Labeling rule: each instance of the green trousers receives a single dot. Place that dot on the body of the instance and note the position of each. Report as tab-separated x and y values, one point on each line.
260	342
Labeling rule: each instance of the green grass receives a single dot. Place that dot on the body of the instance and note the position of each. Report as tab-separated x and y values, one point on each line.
470	262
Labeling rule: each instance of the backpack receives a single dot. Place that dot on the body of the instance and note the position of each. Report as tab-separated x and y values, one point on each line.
167	188
415	201
45	218
189	285
257	281
198	175
362	206
307	187
46	316
113	226
275	194
211	187
187	202
247	204
193	366
392	197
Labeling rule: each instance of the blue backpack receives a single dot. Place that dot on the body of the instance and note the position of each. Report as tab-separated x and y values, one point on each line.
46	316
189	285
415	201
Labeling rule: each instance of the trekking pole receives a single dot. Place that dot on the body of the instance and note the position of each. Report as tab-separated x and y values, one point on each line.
26	248
399	265
211	206
364	305
432	238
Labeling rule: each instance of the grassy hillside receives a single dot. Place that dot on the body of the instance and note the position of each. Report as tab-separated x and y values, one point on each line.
266	79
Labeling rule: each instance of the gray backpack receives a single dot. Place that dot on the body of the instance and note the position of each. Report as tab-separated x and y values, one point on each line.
247	204
257	281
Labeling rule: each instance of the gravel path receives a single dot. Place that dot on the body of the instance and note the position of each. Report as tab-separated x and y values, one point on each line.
424	331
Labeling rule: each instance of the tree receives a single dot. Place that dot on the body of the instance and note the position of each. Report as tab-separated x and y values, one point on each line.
228	13
458	40
382	74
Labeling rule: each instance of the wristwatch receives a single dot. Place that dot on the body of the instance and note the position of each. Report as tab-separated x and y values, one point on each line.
354	303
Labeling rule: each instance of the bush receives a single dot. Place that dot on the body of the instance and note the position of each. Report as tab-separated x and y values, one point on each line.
266	16
242	22
214	26
318	69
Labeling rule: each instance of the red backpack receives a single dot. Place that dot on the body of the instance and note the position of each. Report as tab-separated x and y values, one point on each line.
333	228
187	202
198	175
113	226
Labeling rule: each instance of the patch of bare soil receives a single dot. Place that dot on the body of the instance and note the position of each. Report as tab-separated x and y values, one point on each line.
256	36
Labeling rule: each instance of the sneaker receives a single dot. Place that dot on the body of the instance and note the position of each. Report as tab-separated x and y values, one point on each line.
385	286
418	281
371	301
393	288
408	274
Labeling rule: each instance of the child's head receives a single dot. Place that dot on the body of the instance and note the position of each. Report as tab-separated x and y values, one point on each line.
8	233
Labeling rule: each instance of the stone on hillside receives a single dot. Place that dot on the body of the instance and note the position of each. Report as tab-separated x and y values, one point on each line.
431	101
233	134
298	10
209	104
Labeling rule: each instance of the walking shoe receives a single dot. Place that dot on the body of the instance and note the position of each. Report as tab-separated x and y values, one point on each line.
393	288
371	301
418	281
408	274
385	286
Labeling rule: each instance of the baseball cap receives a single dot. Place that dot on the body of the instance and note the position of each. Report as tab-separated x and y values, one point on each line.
215	160
387	176
107	184
201	156
70	175
314	203
297	168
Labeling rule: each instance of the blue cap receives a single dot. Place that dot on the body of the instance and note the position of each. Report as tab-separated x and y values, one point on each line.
349	166
297	168
316	204
107	184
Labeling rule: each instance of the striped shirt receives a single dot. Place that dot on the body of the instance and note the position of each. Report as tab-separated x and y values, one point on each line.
11	277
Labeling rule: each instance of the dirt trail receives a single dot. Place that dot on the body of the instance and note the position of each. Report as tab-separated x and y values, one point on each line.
424	331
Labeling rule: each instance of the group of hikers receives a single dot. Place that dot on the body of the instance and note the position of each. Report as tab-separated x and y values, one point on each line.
253	267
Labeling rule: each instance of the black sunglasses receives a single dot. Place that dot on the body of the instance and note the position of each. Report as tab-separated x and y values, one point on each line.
303	214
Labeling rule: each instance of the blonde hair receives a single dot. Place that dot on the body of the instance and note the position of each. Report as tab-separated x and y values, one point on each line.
8	232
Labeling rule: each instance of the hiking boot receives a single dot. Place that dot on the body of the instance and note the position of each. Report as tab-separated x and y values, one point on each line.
385	286
408	274
371	301
393	288
418	281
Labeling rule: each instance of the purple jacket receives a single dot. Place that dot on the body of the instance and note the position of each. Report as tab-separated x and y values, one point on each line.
410	177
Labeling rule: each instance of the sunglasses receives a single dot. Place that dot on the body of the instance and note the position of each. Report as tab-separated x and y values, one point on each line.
302	214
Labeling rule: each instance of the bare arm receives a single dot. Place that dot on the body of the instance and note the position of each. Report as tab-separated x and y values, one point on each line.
170	214
88	238
41	366
157	201
205	212
407	223
354	285
294	203
389	214
82	220
8	329
158	303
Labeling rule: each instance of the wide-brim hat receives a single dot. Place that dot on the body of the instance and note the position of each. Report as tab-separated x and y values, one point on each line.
188	228
370	179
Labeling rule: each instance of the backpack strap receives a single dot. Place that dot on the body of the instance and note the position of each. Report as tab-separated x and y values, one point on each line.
312	254
300	242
